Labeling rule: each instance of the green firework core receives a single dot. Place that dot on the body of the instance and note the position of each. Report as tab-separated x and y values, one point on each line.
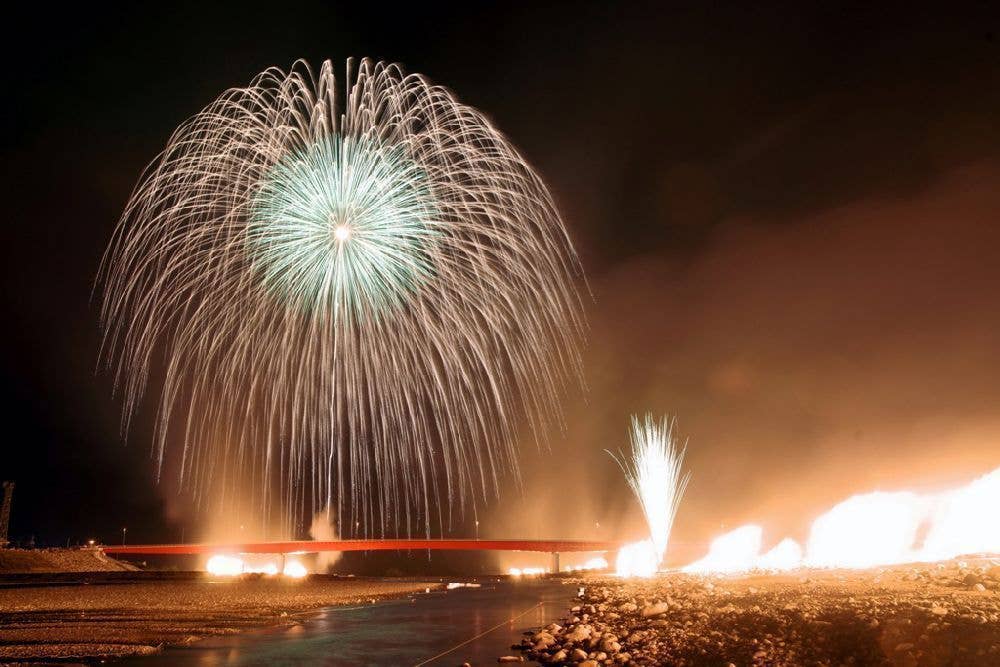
344	224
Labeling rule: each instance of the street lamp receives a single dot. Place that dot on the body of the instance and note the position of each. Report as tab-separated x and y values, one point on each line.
477	529
124	529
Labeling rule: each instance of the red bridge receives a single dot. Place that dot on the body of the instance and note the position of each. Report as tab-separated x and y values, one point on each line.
553	547
310	546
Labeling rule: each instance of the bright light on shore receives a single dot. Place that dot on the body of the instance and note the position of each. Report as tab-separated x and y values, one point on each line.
295	569
874	529
595	563
867	530
964	520
639	559
785	555
224	566
736	551
268	569
526	571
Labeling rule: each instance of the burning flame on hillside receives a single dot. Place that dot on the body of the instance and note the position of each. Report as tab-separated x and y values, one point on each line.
866	530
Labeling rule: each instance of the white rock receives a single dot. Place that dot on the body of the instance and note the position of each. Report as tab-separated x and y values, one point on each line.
578	634
655	609
610	646
543	643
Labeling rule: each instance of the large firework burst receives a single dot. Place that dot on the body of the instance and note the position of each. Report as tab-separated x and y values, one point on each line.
350	296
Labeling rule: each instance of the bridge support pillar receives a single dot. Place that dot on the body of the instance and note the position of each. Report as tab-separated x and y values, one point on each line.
555	562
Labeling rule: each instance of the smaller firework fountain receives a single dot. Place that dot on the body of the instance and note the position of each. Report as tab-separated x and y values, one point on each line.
654	472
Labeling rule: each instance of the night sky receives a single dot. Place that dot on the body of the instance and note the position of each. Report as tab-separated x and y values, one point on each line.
788	222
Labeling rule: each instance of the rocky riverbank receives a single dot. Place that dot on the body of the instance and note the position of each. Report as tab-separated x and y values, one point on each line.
938	614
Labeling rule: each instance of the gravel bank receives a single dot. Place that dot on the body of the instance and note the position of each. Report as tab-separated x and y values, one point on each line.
94	621
939	614
60	560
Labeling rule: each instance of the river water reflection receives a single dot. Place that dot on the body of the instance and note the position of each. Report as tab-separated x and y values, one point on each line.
408	631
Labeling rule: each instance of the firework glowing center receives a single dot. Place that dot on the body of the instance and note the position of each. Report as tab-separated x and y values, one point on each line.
313	201
361	291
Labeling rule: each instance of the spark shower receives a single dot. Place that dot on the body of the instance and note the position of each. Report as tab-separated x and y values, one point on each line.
350	294
654	473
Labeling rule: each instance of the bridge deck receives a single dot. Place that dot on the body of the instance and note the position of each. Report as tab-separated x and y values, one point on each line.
309	546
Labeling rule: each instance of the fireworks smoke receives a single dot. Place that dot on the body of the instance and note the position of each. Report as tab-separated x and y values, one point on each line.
654	473
351	293
322	530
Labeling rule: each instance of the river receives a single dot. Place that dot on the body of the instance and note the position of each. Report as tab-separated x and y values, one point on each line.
475	625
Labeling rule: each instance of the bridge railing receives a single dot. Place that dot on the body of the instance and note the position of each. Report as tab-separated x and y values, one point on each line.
311	546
